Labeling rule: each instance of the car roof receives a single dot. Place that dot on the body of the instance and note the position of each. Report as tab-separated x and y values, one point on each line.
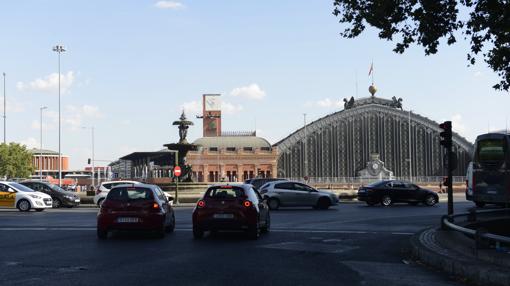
240	185
121	181
138	185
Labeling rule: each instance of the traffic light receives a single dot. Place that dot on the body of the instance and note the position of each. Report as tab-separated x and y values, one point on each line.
88	161
446	134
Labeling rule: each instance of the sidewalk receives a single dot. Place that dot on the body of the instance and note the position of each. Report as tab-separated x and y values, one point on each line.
454	253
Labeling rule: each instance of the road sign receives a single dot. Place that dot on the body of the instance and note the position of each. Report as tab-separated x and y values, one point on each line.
177	171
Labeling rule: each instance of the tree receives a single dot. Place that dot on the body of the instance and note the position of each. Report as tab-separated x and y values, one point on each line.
15	161
426	22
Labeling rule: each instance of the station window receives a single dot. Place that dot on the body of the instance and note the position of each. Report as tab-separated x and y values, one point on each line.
213	149
265	148
248	148
231	149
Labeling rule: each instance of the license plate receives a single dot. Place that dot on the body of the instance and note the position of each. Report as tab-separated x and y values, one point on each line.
76	201
128	220
223	216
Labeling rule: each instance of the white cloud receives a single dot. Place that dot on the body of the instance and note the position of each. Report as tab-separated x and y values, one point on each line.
30	143
49	83
73	117
173	5
230	108
325	103
192	108
12	106
458	125
252	91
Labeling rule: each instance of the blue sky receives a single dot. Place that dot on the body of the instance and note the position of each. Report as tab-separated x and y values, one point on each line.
131	66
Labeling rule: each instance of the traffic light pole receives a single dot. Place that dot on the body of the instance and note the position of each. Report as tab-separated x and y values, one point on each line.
446	142
450	181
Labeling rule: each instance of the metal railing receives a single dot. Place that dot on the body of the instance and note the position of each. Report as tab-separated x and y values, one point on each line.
360	180
448	222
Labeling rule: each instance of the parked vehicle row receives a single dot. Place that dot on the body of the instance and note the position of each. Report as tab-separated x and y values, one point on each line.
15	195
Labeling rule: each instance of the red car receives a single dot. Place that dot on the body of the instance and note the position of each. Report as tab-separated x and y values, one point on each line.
231	207
135	207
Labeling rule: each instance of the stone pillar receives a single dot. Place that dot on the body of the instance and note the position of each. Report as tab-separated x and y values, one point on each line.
206	173
240	172
274	171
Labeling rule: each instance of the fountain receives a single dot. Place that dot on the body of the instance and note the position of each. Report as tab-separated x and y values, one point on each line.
183	147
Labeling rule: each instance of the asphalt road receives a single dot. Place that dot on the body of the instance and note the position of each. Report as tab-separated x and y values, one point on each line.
350	244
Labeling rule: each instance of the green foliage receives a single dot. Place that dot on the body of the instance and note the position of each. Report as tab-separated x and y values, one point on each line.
15	161
426	22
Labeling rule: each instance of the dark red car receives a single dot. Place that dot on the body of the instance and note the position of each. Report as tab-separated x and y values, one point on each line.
231	207
135	207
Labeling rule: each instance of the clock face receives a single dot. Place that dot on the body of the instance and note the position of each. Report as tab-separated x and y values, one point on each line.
375	166
212	103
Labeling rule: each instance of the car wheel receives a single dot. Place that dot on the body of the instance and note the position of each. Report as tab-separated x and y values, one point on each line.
24	205
480	204
102	234
323	203
56	203
171	227
267	225
100	202
386	201
254	232
198	233
273	204
39	210
430	200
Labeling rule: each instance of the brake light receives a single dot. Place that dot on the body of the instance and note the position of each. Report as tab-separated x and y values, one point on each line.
201	204
155	206
247	204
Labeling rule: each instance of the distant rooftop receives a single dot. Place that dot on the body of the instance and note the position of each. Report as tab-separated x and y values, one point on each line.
36	151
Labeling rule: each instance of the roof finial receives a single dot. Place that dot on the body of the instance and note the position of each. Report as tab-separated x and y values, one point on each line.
372	89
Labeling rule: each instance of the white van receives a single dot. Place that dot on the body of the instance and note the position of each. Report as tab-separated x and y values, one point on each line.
469	182
14	195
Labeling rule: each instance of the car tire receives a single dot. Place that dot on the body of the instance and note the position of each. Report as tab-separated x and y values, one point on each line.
100	202
102	234
386	201
23	205
323	203
56	204
39	210
480	204
267	225
273	204
171	227
198	233
254	232
430	200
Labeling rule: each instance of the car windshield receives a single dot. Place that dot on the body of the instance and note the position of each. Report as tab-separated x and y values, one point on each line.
130	194
56	188
225	192
21	188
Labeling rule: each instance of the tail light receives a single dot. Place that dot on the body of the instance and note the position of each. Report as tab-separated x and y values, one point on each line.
201	204
247	204
155	206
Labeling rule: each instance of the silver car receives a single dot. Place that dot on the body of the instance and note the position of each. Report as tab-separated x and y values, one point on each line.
295	194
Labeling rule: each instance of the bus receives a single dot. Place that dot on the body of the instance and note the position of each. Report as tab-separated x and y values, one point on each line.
491	169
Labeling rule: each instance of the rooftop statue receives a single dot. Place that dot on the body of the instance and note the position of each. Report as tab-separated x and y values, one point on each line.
183	125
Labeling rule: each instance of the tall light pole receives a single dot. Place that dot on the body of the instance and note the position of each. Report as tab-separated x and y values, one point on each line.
93	155
305	172
409	150
41	144
59	49
5	113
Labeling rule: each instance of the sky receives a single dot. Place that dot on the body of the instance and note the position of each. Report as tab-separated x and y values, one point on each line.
131	66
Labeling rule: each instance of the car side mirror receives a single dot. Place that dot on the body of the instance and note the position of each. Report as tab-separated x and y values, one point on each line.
170	199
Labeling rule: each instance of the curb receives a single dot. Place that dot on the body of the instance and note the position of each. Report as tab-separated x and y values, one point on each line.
427	249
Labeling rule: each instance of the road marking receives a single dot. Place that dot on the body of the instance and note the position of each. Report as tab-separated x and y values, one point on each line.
189	229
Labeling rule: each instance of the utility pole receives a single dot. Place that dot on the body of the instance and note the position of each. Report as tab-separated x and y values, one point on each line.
41	144
305	155
5	113
59	49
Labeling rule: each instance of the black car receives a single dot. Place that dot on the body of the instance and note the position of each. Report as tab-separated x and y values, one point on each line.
392	191
61	197
259	182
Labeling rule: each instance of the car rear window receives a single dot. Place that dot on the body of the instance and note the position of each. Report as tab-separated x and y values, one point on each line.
225	192
130	194
491	150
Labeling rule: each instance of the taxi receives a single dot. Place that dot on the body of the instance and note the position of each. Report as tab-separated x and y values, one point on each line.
14	195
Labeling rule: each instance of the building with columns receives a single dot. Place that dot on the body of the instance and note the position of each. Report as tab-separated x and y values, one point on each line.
232	158
47	161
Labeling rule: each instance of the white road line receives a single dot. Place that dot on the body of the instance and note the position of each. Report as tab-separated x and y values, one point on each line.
189	229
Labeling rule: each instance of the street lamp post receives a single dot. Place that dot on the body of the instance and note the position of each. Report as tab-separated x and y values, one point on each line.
305	172
5	113
59	49
409	150
41	143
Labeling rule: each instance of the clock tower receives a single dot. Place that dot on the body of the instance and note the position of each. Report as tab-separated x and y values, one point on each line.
211	115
